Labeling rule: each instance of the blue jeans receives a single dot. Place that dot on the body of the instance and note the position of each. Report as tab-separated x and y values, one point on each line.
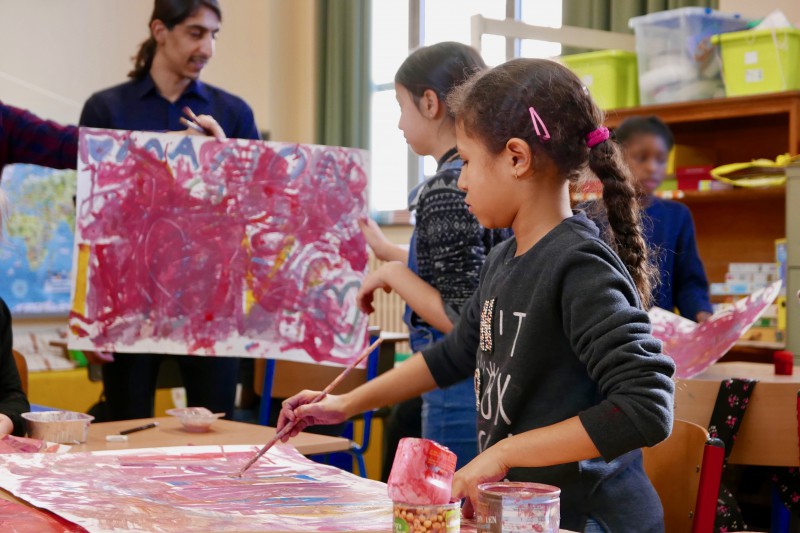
593	527
449	418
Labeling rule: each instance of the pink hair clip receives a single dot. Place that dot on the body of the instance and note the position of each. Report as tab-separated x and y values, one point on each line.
597	136
537	121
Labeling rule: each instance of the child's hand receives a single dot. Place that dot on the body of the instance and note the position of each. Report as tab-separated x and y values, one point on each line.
485	468
6	425
702	316
375	237
329	410
374	281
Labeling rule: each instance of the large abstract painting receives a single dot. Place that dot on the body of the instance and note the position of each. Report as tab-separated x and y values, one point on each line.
36	257
191	245
695	347
191	489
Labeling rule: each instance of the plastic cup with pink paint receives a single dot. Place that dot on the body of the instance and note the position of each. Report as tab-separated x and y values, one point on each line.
420	486
64	427
195	419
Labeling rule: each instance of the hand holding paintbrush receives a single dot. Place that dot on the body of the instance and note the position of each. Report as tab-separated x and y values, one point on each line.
202	124
287	430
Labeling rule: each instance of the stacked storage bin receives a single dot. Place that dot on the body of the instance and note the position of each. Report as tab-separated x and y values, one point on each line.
610	76
760	61
677	61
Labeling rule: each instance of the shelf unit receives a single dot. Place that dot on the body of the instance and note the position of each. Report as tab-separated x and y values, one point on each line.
738	225
741	224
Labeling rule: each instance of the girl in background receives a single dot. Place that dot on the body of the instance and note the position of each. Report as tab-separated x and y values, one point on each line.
439	272
569	381
668	226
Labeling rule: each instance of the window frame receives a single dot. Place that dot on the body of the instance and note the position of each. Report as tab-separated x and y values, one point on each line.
416	31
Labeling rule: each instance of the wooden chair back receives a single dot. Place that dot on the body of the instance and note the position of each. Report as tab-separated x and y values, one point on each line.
22	368
674	467
768	435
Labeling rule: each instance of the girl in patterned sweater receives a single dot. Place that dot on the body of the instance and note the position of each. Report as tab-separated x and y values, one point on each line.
439	271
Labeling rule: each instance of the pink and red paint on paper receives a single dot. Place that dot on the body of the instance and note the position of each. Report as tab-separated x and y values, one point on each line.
19	518
191	489
695	347
190	245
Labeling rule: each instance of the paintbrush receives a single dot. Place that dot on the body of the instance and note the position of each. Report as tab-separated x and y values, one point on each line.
194	123
288	427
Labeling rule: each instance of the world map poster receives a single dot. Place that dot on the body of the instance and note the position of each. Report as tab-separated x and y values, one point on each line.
36	254
190	245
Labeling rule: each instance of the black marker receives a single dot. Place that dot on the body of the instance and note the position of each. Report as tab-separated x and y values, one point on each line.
140	428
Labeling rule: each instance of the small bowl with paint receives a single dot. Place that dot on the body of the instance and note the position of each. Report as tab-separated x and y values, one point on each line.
63	427
518	506
195	419
445	518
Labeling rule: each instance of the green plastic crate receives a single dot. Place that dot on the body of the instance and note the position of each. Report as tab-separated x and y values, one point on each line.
610	76
760	61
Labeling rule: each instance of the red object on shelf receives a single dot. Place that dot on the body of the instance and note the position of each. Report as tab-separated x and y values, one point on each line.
784	362
689	178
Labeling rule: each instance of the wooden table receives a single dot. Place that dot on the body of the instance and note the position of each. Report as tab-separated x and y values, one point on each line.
768	435
170	432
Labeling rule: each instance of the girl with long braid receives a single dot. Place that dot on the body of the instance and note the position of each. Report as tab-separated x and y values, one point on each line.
569	381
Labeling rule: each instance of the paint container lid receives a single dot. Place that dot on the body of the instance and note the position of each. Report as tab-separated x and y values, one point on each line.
519	490
444	518
422	473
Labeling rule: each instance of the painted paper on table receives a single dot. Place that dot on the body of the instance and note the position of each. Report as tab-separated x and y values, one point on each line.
695	347
189	245
189	488
19	518
36	257
12	444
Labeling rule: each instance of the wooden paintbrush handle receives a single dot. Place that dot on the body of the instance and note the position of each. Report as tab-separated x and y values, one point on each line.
288	427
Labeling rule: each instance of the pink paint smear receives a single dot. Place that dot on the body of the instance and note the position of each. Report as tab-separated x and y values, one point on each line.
178	490
229	248
695	347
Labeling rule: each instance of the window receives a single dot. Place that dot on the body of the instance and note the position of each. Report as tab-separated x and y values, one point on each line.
388	188
395	24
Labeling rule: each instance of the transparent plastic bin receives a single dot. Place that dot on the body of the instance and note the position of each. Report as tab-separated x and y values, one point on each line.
760	61
610	76
677	61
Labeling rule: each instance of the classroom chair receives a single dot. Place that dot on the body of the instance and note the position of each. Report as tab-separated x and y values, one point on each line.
282	379
685	470
768	435
22	368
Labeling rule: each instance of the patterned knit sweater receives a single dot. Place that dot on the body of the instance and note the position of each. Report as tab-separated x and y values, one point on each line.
448	246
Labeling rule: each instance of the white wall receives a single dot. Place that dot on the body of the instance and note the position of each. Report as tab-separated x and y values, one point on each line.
55	53
759	9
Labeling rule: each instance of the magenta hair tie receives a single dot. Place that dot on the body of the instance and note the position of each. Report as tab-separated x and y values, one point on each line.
537	121
597	136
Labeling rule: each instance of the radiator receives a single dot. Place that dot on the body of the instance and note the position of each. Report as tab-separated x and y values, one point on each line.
389	309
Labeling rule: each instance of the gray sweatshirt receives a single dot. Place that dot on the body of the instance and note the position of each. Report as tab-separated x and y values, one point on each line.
559	332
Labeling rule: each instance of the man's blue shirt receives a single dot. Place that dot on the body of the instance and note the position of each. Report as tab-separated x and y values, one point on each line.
137	105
